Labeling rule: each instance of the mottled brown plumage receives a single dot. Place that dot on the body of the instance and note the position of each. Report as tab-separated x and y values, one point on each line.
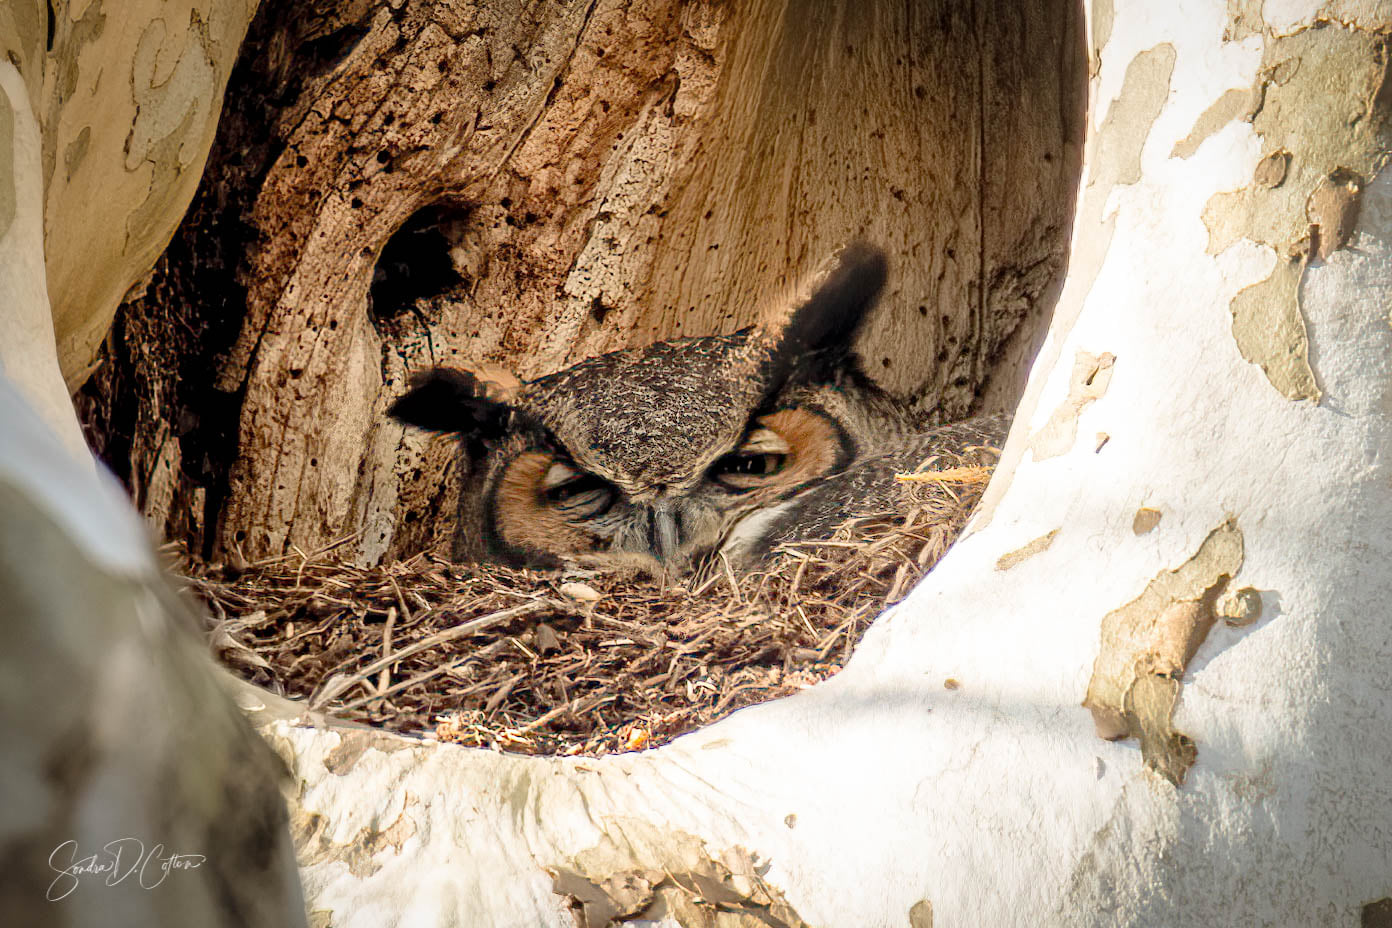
659	456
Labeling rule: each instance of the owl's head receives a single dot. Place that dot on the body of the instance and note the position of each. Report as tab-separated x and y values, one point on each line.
650	457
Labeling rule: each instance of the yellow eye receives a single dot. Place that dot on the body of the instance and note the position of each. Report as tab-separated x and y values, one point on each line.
575	495
763	455
785	450
750	465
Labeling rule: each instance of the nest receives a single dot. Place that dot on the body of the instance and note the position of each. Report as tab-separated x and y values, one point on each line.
549	663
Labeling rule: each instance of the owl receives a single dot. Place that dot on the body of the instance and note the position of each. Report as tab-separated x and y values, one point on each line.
658	457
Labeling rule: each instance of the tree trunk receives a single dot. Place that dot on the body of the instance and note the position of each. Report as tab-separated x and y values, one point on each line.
28	354
1148	689
135	793
530	184
124	109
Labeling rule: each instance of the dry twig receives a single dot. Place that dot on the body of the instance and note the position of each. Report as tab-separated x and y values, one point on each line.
628	666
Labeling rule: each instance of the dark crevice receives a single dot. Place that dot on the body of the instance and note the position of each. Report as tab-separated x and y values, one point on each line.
321	55
416	263
598	311
161	363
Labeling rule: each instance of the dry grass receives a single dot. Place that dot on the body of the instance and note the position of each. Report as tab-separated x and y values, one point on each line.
543	663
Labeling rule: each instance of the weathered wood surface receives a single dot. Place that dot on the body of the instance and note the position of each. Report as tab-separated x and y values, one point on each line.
575	177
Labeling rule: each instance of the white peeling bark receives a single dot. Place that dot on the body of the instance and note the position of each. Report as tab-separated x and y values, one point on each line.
134	792
28	354
1170	534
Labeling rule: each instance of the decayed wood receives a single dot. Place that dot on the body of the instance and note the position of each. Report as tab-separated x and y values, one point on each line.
602	175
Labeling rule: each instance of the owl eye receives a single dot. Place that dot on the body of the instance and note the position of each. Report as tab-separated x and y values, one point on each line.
763	454
575	495
734	466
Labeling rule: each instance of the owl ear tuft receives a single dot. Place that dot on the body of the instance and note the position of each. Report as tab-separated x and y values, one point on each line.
828	311
446	399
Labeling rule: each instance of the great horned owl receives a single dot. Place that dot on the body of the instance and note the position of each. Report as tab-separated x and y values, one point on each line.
656	457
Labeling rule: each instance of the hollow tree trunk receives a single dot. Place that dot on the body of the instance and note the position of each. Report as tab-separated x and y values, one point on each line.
1184	552
531	183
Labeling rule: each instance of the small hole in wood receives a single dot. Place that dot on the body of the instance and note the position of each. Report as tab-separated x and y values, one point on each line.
416	263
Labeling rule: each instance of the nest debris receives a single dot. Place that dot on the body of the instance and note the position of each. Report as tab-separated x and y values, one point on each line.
548	663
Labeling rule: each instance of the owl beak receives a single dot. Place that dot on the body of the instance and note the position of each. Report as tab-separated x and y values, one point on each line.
666	536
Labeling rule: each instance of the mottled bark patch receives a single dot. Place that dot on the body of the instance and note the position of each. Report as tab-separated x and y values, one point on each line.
1240	608
670	877
1321	106
1092	373
1115	154
1145	520
1244	19
1270	331
1103	16
314	843
1147	645
1011	558
1333	212
1271	170
1228	107
352	745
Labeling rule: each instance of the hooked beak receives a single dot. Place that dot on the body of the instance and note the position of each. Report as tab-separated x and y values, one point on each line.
666	537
